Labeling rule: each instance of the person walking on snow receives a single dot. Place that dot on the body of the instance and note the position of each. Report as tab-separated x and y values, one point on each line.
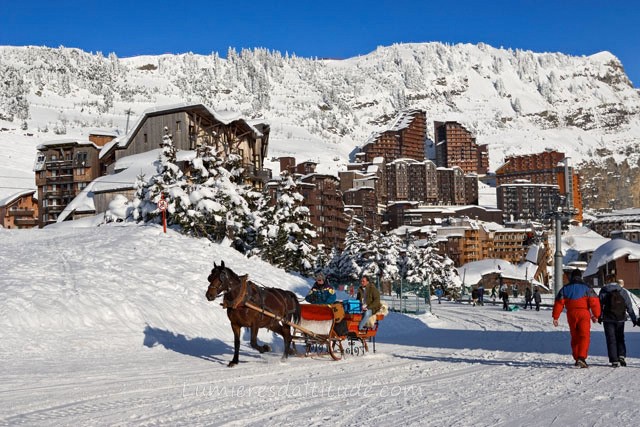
537	298
527	298
616	304
582	305
504	295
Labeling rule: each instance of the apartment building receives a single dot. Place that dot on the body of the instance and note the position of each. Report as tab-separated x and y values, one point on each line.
63	169
549	167
523	200
409	179
19	210
511	244
451	186
605	224
466	240
404	138
456	146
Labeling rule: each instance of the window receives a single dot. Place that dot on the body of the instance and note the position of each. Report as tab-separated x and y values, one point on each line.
146	138
178	126
81	157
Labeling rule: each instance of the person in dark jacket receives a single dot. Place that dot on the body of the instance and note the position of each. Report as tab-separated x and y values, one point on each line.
537	298
474	296
321	292
582	305
528	296
504	295
613	324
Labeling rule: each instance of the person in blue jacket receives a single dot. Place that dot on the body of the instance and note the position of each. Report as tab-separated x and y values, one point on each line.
321	292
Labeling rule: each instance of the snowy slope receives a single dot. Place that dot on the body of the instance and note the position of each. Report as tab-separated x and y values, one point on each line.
110	326
516	101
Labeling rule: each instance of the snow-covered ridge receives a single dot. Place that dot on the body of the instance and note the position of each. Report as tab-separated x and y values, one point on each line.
515	101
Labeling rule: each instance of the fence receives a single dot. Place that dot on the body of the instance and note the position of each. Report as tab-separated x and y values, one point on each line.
408	303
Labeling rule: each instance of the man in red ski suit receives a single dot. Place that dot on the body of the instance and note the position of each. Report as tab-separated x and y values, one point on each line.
582	306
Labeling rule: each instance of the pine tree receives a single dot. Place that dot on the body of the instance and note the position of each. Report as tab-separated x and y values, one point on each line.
285	236
168	183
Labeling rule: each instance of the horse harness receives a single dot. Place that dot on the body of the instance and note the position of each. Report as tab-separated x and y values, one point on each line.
247	290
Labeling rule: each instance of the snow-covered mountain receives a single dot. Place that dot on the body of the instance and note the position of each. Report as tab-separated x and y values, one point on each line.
516	101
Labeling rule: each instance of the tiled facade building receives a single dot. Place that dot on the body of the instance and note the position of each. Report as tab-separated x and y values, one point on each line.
549	168
456	146
63	169
404	138
523	200
409	179
19	210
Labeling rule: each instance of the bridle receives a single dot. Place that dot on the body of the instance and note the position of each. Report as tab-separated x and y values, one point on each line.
218	288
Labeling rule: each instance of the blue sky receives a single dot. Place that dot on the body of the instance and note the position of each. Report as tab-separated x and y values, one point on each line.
324	29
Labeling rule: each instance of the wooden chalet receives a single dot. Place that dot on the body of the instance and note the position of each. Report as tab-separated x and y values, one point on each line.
19	210
195	125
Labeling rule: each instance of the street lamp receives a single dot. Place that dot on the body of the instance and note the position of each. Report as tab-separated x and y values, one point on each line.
560	215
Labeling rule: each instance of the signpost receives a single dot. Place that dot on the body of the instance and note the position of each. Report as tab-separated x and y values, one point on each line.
162	206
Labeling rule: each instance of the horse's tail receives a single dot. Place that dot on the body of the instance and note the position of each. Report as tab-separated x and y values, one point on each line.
295	315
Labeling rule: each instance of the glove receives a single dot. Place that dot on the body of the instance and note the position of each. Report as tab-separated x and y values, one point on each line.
593	319
599	319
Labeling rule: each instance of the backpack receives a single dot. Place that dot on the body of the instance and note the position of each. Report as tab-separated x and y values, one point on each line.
617	307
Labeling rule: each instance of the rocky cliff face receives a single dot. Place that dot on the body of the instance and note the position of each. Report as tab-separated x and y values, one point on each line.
608	183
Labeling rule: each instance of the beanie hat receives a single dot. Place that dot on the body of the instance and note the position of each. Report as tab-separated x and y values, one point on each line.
576	275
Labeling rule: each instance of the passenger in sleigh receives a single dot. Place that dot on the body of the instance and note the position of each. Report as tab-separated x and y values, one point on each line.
369	297
321	292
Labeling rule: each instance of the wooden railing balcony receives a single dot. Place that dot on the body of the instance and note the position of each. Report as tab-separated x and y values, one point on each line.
55	208
54	164
24	221
21	212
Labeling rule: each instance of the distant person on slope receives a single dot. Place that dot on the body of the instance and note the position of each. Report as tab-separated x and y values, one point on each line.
616	304
582	305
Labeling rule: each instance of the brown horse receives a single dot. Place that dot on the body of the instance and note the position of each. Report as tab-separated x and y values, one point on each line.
237	292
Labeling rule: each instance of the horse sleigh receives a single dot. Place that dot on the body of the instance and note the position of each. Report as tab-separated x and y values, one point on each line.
322	329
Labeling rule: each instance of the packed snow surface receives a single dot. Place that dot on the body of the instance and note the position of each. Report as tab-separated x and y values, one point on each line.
109	325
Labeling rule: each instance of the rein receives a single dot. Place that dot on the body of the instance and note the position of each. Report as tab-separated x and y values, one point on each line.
248	291
240	298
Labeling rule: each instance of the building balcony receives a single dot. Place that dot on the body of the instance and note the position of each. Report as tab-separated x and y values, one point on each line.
26	221
53	209
59	179
256	174
56	164
18	212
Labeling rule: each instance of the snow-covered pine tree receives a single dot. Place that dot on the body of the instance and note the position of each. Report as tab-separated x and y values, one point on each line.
218	198
346	266
168	182
284	240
